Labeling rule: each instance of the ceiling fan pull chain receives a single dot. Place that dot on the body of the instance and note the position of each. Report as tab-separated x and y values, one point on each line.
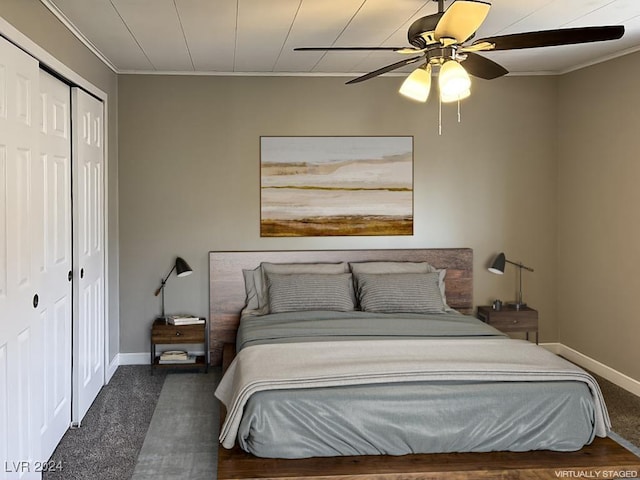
439	115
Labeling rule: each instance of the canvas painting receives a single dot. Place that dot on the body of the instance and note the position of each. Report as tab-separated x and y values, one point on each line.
321	186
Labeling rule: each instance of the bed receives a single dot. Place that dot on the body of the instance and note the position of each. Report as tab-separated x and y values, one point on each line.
291	363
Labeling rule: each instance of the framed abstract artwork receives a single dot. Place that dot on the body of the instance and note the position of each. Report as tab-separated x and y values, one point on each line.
332	186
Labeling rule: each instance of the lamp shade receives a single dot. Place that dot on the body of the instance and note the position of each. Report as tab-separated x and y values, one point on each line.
453	81
417	85
498	264
182	268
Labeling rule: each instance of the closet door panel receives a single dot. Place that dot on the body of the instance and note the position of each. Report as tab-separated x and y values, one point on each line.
55	152
3	220
4	404
22	237
89	256
5	308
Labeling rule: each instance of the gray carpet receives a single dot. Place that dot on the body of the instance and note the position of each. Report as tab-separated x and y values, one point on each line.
181	438
106	446
624	410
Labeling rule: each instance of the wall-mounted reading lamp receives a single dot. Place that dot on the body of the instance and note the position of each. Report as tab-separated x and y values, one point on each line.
498	267
182	269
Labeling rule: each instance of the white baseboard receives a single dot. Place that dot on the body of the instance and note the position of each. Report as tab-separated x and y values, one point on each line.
134	358
553	347
111	368
620	379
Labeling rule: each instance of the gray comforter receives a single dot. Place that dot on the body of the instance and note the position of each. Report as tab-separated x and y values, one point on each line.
485	403
317	326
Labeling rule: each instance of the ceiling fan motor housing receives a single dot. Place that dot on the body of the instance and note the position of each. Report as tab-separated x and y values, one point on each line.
437	55
421	28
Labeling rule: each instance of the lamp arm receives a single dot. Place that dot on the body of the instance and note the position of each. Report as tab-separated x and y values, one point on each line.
519	265
164	281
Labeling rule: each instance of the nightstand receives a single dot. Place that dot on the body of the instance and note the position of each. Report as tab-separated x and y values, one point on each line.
508	319
166	334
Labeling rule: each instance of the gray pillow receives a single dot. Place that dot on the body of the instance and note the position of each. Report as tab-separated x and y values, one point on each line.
391	267
309	291
290	268
400	292
402	267
251	278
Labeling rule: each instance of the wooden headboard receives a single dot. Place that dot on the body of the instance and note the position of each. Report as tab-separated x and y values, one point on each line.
226	282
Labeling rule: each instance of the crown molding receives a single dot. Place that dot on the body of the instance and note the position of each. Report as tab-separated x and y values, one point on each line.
78	34
606	58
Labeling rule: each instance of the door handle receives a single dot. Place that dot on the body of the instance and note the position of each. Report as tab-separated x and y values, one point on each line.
70	275
36	300
82	273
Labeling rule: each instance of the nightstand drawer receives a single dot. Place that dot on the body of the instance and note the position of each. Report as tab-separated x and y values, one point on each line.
178	334
511	323
510	320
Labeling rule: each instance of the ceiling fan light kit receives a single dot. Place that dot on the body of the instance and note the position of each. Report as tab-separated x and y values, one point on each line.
439	40
418	84
454	82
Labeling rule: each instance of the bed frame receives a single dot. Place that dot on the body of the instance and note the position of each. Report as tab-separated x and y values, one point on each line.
226	282
226	299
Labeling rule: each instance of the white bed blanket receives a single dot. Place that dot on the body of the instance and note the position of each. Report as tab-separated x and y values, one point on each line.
327	364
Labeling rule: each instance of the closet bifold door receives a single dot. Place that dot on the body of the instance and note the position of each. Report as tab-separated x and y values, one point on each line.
22	265
55	155
89	255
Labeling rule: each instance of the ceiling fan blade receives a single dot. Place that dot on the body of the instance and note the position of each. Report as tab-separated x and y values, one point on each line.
386	69
551	38
482	67
345	49
462	19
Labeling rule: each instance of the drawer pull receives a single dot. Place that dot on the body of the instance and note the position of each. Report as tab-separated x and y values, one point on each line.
515	321
178	334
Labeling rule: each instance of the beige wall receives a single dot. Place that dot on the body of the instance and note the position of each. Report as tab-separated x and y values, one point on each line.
539	167
35	21
189	178
599	224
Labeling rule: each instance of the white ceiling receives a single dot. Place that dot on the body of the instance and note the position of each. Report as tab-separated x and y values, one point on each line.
258	36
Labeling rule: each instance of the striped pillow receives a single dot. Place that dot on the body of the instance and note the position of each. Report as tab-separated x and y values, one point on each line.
400	292
310	291
293	268
401	267
390	267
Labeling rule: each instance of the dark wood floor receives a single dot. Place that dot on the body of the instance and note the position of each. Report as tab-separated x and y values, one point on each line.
603	455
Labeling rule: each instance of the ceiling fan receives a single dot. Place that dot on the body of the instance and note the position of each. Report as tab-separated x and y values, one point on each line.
440	41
